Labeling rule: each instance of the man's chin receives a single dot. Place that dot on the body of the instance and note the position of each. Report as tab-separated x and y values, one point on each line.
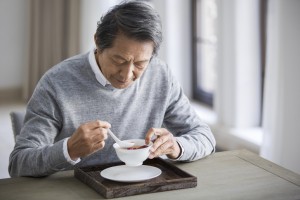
122	86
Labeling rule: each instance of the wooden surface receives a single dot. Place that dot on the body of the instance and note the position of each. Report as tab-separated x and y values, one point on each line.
225	175
171	178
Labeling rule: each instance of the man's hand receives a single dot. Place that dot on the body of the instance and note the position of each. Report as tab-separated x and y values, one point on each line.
164	144
87	139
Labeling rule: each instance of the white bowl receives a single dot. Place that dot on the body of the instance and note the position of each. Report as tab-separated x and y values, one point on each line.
133	157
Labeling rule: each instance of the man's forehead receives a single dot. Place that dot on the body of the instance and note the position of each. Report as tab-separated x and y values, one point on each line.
129	48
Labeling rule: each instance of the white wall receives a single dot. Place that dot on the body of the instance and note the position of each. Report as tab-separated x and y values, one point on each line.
13	42
91	12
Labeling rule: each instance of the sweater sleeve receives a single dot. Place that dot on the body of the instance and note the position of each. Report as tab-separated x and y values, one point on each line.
36	153
190	131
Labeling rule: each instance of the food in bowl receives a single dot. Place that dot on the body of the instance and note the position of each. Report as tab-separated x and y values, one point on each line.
137	147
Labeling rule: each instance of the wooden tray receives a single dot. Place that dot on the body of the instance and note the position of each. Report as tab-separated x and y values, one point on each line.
171	178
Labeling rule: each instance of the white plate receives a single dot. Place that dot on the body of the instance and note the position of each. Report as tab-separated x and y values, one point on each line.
123	173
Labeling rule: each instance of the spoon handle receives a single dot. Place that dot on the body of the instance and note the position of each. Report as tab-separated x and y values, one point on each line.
113	136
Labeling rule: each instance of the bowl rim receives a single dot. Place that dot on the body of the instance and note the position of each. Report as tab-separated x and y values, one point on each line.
117	147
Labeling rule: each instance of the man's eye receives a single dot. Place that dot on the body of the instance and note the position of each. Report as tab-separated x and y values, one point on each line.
140	65
118	62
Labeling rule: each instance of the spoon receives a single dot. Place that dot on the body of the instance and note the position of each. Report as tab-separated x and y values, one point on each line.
122	144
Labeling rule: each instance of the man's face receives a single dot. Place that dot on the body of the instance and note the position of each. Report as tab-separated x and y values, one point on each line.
125	61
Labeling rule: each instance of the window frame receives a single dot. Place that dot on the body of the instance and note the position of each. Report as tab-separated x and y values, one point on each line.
197	92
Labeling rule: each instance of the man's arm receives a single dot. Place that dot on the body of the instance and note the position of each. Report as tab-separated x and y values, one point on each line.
190	131
35	153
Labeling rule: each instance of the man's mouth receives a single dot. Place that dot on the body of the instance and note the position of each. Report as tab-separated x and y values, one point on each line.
127	81
123	82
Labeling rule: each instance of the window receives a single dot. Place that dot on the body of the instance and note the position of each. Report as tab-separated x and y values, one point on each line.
204	50
228	68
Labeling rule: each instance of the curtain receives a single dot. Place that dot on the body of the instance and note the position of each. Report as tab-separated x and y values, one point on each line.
54	36
273	90
281	93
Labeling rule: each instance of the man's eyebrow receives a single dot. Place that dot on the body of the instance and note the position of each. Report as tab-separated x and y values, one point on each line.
142	61
120	57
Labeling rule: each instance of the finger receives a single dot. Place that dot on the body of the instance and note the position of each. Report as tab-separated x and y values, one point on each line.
102	124
163	149
152	132
158	142
149	135
163	136
157	154
97	124
100	145
99	134
97	146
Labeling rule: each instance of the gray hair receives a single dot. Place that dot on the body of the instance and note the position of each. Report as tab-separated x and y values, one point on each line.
136	20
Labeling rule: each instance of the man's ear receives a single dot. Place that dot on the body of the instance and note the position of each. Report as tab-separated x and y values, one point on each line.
95	39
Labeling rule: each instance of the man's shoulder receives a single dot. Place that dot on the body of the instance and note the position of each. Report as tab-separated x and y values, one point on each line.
158	66
71	68
158	72
70	65
77	58
75	61
157	62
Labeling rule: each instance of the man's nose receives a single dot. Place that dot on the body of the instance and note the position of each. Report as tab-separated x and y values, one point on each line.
127	72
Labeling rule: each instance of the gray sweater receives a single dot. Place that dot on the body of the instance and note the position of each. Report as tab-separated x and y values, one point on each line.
69	95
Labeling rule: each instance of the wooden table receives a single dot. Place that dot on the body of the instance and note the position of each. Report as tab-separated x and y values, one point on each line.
225	175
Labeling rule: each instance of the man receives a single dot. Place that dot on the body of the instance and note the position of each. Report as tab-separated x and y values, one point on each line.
118	85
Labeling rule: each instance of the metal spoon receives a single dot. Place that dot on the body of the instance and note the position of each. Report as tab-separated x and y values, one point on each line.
122	144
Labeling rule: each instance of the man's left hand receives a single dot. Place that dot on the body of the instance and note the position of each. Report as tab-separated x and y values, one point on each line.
164	144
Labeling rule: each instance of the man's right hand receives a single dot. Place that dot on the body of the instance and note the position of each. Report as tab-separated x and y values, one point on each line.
87	139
